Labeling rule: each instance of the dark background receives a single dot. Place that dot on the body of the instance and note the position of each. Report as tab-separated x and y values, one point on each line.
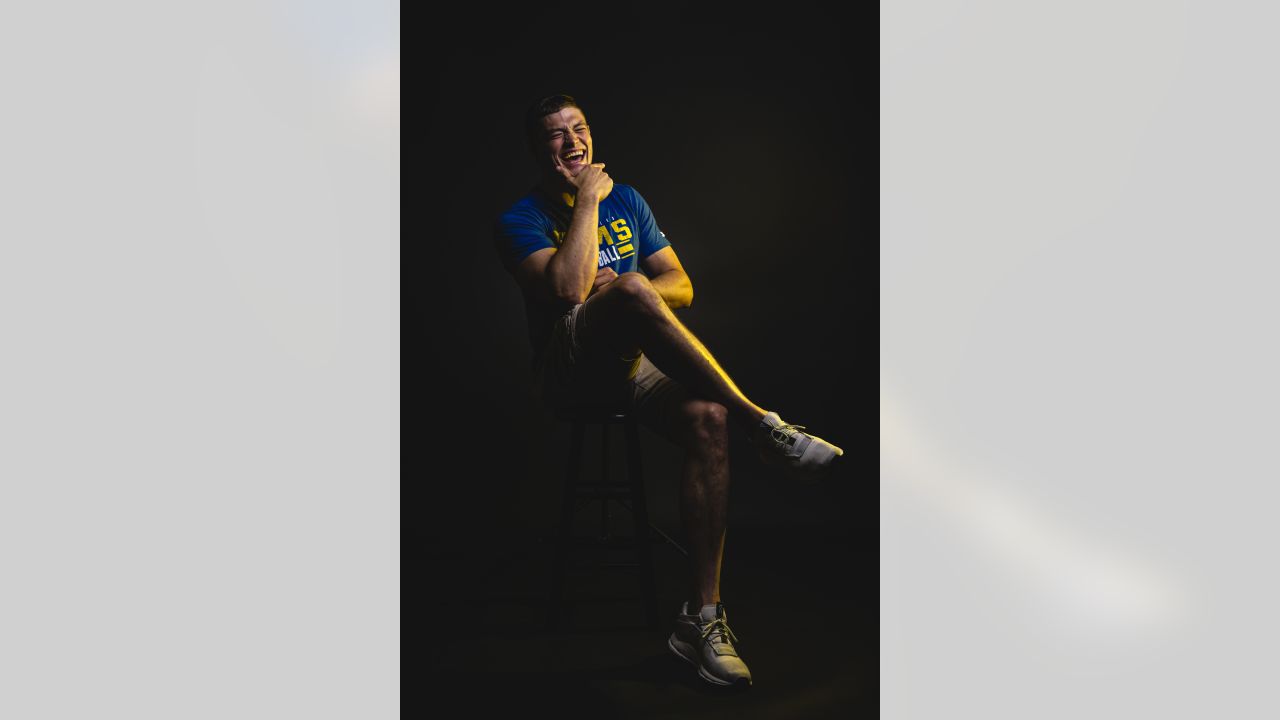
743	143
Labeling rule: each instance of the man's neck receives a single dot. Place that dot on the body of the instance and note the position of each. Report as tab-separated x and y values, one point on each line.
558	190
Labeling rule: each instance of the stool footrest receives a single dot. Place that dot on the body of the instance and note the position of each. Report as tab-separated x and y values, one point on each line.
609	543
596	491
621	541
595	567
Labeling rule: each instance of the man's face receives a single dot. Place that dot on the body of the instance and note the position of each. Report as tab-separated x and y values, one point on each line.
566	141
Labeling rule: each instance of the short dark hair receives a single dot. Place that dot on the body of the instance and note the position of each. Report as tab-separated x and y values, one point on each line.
540	109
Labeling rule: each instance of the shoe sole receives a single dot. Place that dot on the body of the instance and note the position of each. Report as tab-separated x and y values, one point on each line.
813	471
702	672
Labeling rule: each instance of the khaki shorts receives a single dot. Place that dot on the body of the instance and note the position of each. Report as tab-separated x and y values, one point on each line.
573	375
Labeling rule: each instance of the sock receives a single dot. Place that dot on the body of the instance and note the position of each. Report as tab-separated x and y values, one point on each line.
708	612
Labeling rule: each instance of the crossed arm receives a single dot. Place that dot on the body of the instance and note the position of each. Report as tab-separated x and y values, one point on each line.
665	272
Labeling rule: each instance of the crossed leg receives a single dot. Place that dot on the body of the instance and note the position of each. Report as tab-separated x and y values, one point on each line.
629	315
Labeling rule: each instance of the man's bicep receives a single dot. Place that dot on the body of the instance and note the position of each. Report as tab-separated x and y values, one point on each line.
531	272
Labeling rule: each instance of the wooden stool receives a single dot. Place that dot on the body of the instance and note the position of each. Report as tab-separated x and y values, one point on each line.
629	494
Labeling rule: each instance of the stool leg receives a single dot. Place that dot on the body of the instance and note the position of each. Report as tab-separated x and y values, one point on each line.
564	542
604	479
641	517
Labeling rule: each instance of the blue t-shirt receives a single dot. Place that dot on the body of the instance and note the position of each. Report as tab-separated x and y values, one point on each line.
628	233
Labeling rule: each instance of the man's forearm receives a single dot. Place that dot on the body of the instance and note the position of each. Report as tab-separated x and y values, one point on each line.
573	266
674	287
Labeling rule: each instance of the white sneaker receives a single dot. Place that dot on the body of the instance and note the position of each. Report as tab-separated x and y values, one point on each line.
782	444
706	641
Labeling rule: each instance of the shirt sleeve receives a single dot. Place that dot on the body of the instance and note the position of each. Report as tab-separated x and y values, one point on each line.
650	237
518	234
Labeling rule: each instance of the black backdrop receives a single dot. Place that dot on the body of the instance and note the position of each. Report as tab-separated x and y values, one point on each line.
743	142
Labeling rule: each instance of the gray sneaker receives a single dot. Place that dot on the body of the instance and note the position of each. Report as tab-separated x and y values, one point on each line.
705	640
782	444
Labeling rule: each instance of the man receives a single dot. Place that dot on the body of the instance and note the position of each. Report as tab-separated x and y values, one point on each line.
600	282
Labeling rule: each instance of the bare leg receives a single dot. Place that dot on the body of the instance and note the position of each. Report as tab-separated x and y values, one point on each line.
700	427
704	505
628	314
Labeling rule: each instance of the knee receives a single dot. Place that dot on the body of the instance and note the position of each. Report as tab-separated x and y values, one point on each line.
637	290
708	423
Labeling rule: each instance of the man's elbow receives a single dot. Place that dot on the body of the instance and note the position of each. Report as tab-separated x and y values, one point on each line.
570	295
565	290
685	297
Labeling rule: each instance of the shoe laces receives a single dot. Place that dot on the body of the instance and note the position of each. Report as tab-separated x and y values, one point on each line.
719	625
784	432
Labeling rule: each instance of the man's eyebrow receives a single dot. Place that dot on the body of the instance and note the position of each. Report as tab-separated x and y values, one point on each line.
564	127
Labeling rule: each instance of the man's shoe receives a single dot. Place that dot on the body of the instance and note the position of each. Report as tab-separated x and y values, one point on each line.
782	444
705	640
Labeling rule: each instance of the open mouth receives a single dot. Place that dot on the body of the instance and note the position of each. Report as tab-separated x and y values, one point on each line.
576	156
